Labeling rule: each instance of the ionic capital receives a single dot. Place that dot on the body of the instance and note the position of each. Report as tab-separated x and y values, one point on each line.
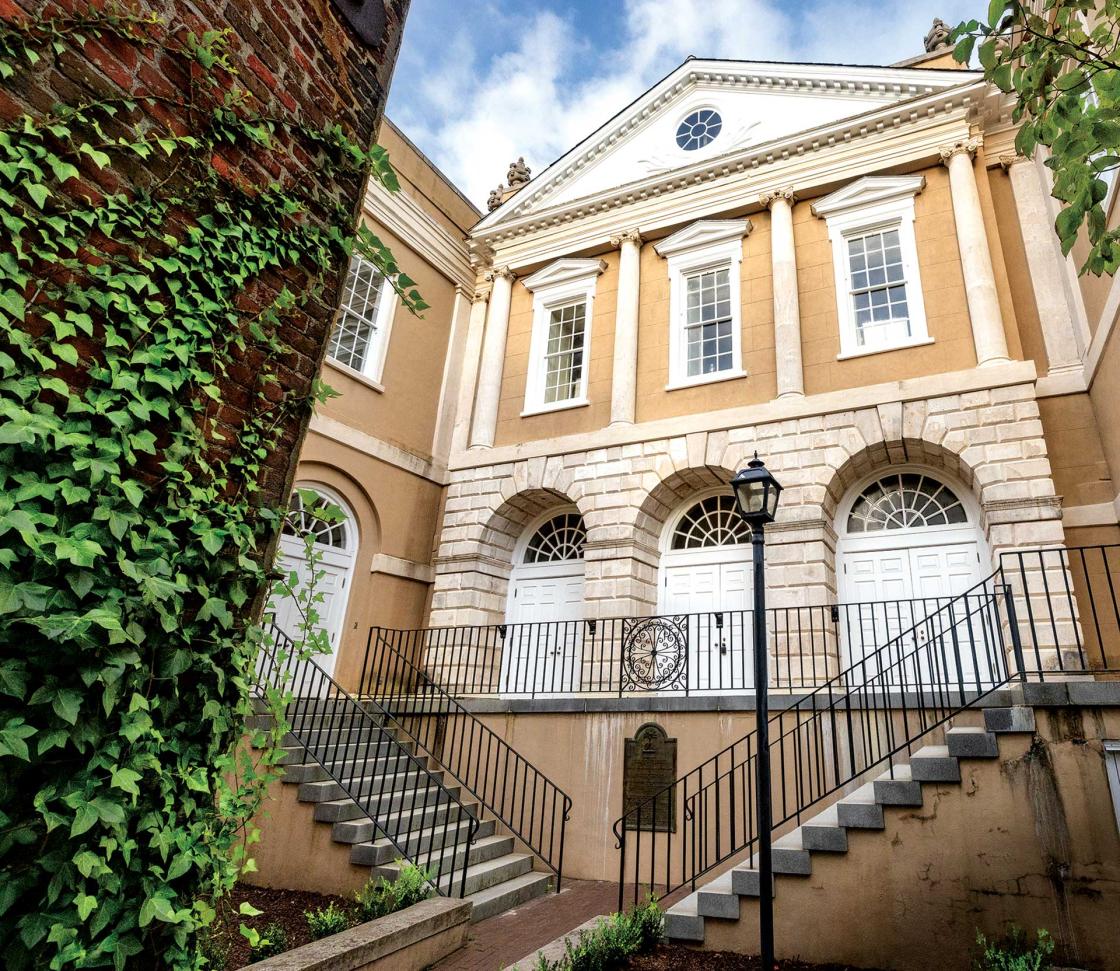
771	196
500	273
967	146
626	236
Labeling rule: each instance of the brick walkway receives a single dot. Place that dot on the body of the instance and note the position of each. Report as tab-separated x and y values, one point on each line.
500	941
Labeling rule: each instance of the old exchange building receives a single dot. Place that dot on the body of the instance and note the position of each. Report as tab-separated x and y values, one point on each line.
844	269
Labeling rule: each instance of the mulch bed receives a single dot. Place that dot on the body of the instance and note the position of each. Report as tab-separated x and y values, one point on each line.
283	907
672	957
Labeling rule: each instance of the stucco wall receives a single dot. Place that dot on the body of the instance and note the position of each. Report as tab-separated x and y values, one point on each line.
1030	839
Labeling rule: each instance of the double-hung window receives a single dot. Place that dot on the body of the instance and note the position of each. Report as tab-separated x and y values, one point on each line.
705	315
878	288
361	334
560	343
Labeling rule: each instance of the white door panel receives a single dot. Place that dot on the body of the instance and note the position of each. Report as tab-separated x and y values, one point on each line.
719	636
334	567
542	649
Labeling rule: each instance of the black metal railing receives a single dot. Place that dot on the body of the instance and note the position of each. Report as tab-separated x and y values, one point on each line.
532	807
1068	608
876	708
361	750
683	654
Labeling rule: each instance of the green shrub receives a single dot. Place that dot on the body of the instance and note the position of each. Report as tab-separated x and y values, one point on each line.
1015	952
380	897
325	921
273	940
612	943
214	947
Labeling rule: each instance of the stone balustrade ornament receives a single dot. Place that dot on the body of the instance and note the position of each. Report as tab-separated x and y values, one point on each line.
495	198
938	37
518	174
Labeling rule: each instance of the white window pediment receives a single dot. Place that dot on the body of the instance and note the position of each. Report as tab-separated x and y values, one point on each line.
706	232
879	300
560	345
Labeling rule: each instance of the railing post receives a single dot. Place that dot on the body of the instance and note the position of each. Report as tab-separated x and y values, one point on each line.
1016	640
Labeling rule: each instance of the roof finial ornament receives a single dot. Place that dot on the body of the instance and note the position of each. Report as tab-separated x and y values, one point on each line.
518	174
495	198
938	37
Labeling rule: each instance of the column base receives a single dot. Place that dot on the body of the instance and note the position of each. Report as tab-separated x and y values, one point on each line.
994	362
791	394
621	421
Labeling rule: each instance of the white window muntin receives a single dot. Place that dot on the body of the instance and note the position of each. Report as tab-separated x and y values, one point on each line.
360	340
547	356
723	256
1112	768
896	215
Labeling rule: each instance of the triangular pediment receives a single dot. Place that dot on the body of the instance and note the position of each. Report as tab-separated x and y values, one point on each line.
757	103
563	271
705	232
869	191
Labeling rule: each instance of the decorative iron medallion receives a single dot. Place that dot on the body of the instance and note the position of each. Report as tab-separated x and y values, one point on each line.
654	653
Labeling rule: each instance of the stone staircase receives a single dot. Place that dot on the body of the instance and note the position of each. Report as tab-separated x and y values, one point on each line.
367	759
861	809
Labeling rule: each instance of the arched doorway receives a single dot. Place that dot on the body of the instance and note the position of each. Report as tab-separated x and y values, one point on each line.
706	573
545	606
335	547
907	544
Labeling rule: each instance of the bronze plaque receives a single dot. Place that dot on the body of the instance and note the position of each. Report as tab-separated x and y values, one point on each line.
648	768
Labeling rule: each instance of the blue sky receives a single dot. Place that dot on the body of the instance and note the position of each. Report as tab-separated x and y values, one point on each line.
480	82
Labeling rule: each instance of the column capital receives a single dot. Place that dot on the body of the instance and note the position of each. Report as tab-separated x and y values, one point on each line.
626	236
500	273
771	196
967	146
481	293
1006	161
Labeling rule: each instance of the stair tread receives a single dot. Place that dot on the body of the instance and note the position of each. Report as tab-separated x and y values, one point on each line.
968	730
901	773
480	843
686	907
932	752
791	841
864	795
529	879
721	885
829	817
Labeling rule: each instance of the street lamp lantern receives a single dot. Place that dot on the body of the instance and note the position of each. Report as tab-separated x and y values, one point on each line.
756	492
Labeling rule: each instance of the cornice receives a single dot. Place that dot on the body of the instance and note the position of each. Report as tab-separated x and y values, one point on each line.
808	159
406	219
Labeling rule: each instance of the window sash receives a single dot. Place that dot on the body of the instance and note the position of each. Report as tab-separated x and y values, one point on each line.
564	352
708	338
356	331
877	287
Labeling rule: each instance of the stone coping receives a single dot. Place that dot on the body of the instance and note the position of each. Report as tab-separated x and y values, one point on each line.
383	941
554	950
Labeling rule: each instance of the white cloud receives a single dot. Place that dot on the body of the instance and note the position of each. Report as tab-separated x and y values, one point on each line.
475	93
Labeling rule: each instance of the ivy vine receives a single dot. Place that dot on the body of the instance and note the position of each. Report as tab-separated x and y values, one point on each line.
151	268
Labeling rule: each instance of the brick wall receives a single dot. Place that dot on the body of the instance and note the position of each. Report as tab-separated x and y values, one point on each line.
302	62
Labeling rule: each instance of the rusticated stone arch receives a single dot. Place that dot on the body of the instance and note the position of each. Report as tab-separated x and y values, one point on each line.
668	494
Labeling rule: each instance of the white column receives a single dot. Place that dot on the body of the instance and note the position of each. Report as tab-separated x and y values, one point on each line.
493	359
624	379
976	257
472	351
1046	264
787	311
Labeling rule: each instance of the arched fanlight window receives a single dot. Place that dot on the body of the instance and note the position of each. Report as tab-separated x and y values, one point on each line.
559	538
710	522
907	500
303	518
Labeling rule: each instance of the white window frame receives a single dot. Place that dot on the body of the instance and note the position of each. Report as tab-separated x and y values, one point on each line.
559	284
372	370
1112	767
874	205
706	245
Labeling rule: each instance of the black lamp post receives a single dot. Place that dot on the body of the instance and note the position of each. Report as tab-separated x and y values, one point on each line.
756	494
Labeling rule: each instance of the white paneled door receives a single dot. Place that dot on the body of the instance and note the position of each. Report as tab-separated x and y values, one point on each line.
542	650
715	596
887	593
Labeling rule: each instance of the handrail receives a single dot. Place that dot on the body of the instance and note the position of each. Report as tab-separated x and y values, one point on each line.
345	739
840	731
532	807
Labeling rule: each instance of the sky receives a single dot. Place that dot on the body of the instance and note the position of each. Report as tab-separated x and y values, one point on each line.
481	82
